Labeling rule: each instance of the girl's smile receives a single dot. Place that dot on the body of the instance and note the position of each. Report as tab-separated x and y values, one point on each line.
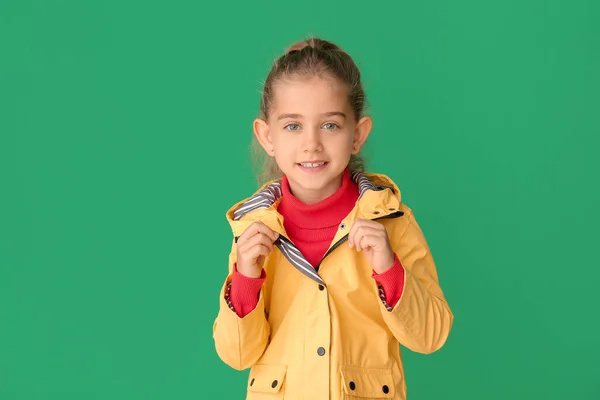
312	166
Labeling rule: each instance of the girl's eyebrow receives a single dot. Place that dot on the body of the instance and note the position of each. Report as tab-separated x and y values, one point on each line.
299	116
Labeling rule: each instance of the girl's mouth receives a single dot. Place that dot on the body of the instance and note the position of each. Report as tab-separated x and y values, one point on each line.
312	166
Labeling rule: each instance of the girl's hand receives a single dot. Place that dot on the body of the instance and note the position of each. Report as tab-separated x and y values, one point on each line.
372	238
253	247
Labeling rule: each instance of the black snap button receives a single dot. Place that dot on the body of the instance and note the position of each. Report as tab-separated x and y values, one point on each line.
385	389
274	384
321	351
343	226
352	386
376	212
252	382
321	287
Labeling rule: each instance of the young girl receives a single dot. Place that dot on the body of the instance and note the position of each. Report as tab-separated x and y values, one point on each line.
329	271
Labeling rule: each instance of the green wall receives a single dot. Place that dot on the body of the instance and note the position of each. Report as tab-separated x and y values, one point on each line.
124	128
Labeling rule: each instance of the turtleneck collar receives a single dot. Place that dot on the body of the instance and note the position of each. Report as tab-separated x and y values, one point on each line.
326	213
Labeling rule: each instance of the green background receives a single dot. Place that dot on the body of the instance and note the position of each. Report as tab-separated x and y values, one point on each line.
124	134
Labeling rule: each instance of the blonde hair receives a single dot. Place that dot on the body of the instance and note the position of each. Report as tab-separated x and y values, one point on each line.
310	57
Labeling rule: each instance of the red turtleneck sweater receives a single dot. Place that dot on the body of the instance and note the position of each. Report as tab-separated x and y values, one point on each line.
311	227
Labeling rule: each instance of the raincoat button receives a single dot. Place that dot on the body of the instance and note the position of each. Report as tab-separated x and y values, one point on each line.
274	384
321	287
342	226
321	351
385	389
376	212
352	386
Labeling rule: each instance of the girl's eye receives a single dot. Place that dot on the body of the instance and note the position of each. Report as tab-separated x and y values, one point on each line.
330	126
292	127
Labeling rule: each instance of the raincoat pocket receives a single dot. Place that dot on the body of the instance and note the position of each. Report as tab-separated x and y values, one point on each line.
367	383
266	382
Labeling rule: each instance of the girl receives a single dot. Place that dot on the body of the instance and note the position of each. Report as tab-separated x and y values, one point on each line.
328	271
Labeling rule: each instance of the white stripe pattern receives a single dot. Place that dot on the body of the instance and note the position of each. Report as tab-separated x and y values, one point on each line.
262	199
296	258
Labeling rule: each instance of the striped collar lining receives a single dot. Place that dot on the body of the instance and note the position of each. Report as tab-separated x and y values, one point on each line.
270	194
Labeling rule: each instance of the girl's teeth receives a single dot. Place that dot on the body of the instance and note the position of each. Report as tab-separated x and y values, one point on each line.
311	165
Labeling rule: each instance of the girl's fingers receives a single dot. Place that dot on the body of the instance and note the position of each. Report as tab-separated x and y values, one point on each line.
259	239
352	235
362	231
256	251
252	256
366	240
260	250
369	241
267	241
254	245
361	224
255	229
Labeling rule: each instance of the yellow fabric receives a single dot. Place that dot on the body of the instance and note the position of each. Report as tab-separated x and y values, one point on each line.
280	339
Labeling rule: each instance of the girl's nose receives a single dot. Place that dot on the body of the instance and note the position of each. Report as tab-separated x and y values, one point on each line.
312	141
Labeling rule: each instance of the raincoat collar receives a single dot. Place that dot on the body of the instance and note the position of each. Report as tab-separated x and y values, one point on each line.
378	197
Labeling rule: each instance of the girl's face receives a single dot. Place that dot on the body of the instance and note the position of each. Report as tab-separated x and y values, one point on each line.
312	132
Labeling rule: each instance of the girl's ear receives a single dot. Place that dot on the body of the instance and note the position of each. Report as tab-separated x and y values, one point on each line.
361	132
261	130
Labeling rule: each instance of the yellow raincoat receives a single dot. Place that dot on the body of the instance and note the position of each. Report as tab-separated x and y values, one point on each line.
325	333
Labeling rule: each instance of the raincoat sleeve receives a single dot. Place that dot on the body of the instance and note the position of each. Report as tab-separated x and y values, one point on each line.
421	320
240	342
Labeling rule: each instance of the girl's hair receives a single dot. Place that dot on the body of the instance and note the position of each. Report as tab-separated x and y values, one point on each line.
305	59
